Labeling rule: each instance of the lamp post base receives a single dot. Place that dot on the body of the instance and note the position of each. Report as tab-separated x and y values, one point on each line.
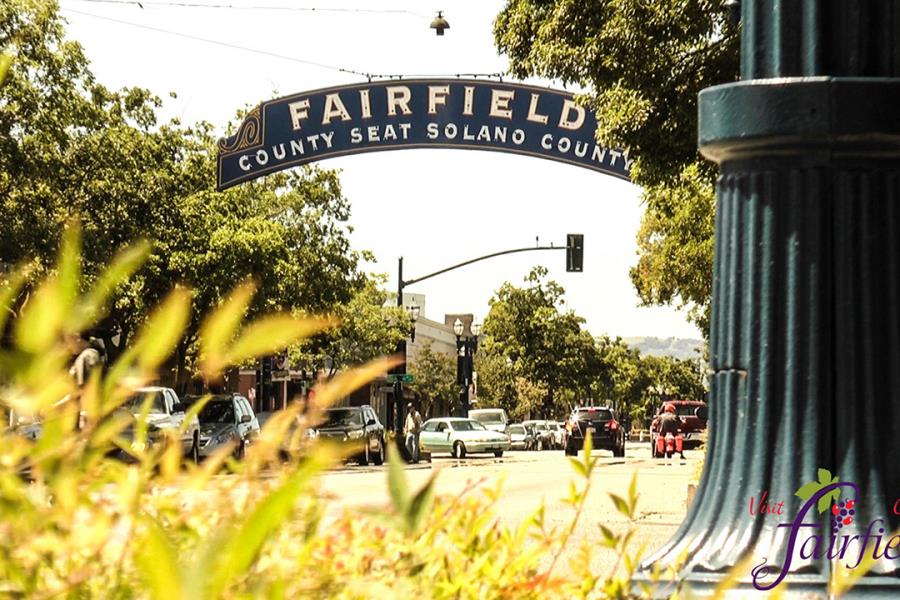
805	335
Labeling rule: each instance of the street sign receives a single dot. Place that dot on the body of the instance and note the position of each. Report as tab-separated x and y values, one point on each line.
405	378
422	113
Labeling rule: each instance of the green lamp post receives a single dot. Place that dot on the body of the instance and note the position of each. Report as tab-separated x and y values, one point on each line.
805	333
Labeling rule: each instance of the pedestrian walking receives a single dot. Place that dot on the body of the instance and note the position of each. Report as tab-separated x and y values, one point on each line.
411	430
90	357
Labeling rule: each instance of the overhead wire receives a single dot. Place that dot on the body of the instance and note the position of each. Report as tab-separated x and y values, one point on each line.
219	5
312	63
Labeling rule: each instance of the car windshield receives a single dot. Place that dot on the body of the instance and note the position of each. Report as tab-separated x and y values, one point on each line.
217	412
554	426
594	414
517	429
494	416
339	417
685	410
136	402
469	425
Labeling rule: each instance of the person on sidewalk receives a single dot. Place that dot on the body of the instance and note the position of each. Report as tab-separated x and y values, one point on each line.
89	357
411	430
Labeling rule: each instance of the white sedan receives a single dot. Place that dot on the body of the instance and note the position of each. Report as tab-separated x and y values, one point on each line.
460	437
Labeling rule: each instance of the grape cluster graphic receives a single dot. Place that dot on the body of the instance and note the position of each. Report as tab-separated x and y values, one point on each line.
842	514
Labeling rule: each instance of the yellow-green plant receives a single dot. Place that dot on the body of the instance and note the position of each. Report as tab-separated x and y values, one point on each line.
76	523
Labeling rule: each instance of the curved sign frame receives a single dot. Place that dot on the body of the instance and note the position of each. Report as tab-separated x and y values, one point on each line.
422	113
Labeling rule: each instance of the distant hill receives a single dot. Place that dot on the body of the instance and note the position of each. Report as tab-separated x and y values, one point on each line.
675	347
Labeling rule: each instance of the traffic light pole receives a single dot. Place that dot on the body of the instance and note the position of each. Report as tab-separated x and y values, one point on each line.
574	256
403	284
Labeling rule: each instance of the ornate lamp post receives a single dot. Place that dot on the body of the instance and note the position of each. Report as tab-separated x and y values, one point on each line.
399	409
805	332
466	347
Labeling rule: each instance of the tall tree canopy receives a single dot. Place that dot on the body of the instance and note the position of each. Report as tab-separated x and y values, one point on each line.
70	148
544	343
435	380
643	64
536	359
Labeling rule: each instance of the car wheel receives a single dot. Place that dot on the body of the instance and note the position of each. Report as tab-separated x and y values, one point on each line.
364	457
195	449
619	451
379	458
459	450
498	453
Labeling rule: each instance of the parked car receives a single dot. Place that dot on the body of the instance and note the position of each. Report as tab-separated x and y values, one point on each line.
494	419
460	436
291	443
166	412
556	429
226	418
606	432
520	437
544	435
357	425
693	415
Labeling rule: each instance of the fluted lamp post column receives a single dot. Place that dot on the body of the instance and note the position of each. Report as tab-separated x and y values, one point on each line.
805	332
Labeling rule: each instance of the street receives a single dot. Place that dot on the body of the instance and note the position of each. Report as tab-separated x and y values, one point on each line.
530	478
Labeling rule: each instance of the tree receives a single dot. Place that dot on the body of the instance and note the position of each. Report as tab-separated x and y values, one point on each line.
547	345
671	378
496	377
435	379
624	379
530	398
642	64
634	384
72	149
368	328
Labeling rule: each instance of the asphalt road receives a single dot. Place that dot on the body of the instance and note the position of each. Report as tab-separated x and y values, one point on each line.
534	477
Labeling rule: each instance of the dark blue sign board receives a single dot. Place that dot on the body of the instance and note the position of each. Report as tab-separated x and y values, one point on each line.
424	113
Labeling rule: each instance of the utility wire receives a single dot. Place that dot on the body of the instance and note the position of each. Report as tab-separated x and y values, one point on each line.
216	42
142	3
369	76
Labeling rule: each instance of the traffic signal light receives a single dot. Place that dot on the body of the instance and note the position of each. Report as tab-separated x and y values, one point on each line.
267	369
574	253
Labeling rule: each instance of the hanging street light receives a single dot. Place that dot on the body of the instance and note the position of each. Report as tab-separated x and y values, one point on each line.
439	24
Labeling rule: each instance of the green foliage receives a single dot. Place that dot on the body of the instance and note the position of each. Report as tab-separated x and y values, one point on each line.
366	329
635	384
546	344
642	65
82	524
810	489
435	379
532	345
675	245
70	147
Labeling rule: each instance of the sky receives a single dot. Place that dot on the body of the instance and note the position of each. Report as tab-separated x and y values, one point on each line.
433	207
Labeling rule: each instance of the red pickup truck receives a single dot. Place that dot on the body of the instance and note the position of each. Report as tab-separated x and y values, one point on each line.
693	415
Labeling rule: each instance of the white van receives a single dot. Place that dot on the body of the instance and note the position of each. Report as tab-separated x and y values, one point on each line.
494	419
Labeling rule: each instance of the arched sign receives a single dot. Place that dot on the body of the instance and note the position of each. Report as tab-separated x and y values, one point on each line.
425	113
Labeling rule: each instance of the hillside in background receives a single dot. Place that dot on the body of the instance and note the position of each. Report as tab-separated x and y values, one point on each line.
675	347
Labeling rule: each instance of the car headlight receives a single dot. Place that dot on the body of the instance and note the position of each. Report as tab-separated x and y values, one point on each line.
355	435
